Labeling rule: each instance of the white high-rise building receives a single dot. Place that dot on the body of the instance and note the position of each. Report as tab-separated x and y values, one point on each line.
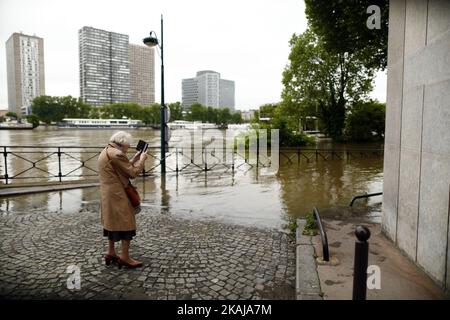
25	71
208	89
104	66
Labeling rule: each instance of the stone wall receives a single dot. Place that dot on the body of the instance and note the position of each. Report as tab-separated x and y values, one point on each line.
416	191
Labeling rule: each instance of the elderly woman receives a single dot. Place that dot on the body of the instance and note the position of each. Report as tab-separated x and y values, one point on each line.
117	212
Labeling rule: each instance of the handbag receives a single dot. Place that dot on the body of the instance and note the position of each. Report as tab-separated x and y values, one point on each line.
133	194
130	190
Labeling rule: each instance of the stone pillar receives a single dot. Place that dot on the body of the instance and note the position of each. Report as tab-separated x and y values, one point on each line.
417	144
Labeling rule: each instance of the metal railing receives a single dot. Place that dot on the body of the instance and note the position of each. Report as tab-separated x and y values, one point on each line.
323	235
365	196
71	162
310	154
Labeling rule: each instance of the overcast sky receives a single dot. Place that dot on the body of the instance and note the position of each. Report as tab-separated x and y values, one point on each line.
244	40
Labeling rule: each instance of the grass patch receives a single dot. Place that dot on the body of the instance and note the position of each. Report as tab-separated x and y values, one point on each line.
310	228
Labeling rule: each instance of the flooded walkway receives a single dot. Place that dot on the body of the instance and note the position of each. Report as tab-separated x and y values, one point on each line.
183	259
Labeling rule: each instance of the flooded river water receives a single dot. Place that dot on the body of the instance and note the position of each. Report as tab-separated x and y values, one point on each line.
244	196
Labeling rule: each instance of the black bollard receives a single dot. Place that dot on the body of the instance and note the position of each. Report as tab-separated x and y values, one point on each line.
361	260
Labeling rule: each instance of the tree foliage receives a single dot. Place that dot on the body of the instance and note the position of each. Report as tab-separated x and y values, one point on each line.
11	114
120	110
151	114
318	81
221	116
342	27
50	109
176	111
53	109
33	119
365	122
274	116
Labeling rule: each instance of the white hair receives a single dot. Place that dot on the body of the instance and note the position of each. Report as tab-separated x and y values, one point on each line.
121	138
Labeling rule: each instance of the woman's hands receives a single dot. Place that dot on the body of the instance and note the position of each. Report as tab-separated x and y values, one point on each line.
135	157
143	156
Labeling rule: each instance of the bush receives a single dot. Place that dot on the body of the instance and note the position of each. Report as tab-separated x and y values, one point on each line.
11	115
365	122
33	119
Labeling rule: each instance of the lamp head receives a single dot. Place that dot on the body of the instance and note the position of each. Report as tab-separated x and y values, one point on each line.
152	40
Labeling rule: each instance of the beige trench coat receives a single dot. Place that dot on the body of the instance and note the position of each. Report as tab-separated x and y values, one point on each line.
117	212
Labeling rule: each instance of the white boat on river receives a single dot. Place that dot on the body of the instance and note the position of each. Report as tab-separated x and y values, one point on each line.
191	125
70	123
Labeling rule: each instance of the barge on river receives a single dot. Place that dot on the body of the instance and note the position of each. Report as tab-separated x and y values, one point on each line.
70	123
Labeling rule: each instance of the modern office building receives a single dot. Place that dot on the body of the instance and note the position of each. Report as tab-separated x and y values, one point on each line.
208	89
104	66
142	71
226	97
25	71
189	92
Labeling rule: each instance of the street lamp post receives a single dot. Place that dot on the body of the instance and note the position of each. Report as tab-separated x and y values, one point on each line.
152	41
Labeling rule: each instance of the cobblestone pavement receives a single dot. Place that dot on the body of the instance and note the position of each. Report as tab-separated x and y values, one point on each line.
183	259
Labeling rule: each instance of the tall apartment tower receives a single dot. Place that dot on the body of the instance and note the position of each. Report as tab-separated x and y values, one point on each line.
208	89
142	68
25	71
104	66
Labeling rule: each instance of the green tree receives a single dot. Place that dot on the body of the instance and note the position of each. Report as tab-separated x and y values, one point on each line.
365	121
11	115
267	110
223	116
176	111
33	119
47	109
314	79
121	109
152	114
284	122
196	112
342	25
236	118
73	107
83	109
255	118
211	115
94	113
220	116
53	109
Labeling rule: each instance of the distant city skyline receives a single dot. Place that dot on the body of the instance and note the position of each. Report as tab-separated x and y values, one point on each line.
248	41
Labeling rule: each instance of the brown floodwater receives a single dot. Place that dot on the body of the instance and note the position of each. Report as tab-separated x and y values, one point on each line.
247	195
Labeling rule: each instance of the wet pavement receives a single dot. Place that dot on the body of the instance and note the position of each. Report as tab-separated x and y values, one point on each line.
398	277
41	253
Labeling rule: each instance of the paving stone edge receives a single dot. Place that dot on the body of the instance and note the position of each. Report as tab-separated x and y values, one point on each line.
307	284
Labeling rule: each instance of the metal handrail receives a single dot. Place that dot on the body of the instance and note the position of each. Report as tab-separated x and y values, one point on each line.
323	235
83	154
365	196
